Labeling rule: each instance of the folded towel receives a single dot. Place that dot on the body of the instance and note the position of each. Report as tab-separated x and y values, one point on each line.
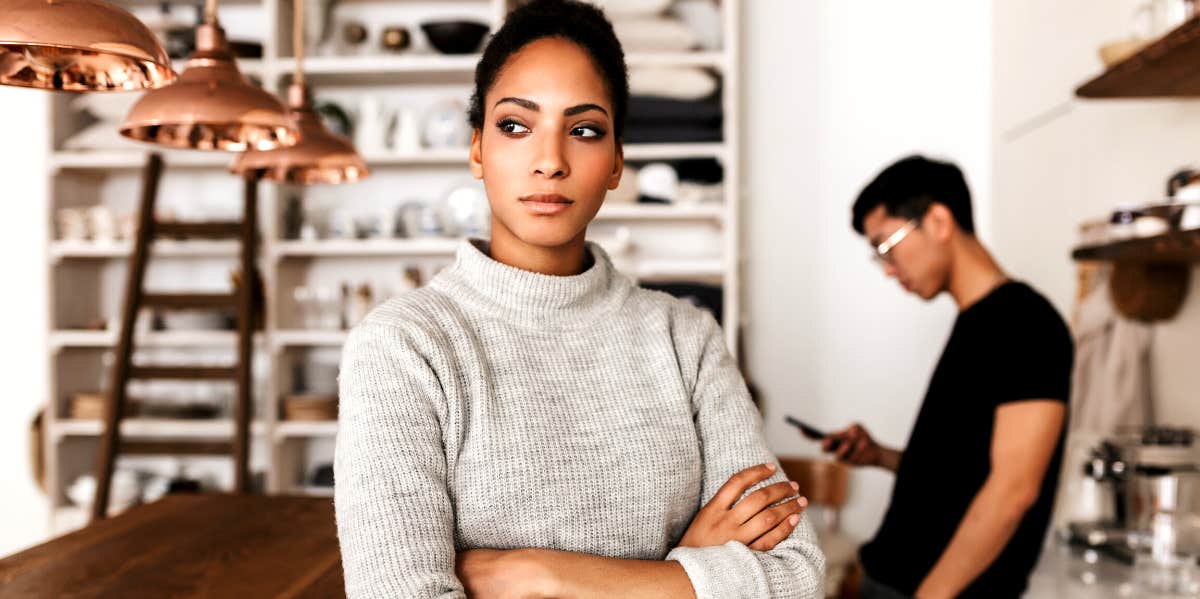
680	83
704	18
654	34
616	9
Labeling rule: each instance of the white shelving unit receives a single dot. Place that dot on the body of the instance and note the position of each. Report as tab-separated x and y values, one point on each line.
86	278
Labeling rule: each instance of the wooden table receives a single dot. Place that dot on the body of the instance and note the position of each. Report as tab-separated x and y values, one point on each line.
190	546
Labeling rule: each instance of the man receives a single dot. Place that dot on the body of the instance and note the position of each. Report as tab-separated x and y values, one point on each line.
975	485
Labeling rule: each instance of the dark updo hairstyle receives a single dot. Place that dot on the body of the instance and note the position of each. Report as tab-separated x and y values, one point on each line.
571	20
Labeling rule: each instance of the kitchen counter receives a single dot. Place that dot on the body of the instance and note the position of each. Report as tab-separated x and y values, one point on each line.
1067	573
190	545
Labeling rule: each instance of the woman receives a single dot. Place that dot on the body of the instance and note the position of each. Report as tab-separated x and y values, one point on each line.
532	424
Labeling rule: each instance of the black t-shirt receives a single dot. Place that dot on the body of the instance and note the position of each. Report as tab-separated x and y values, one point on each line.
1009	346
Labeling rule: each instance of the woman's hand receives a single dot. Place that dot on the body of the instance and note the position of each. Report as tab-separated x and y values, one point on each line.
753	521
498	574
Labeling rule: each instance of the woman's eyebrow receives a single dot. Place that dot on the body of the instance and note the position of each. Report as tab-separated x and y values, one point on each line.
530	105
522	102
582	108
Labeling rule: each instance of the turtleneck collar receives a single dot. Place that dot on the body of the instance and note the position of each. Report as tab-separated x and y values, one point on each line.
532	298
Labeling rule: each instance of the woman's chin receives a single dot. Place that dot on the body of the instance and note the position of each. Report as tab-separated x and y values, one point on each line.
546	234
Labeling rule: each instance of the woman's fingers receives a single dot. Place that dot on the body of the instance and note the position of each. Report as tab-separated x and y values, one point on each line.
736	486
773	525
755	502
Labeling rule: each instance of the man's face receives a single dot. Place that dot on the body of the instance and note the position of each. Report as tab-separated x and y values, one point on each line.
919	261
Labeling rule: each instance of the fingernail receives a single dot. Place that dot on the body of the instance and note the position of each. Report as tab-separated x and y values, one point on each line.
803	501
795	486
793	519
771	467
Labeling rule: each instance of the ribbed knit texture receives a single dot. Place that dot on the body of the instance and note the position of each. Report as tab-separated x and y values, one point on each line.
499	408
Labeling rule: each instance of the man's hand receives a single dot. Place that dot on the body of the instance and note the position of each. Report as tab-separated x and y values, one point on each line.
855	446
496	574
752	521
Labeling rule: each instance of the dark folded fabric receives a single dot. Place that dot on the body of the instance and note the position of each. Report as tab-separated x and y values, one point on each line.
701	295
699	170
662	110
643	133
696	170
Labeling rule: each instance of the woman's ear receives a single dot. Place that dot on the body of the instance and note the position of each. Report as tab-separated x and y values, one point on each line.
476	159
614	179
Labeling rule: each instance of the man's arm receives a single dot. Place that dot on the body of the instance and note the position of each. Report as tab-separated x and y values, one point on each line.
1023	442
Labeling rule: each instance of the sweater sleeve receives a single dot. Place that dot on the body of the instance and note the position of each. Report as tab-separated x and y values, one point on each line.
395	520
731	439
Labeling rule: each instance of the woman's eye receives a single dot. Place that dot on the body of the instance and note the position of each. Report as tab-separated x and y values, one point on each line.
587	131
513	127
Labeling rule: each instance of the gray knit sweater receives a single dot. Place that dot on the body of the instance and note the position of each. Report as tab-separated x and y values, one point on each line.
499	408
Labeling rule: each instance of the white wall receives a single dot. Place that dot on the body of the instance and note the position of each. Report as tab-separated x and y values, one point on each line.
1089	156
834	91
23	516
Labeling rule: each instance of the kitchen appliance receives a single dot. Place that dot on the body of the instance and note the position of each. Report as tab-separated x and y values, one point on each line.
1137	500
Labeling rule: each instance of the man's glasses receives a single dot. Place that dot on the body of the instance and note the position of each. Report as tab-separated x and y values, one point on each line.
883	252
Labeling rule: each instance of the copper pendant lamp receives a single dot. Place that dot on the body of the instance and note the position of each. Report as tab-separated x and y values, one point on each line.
79	46
212	106
319	156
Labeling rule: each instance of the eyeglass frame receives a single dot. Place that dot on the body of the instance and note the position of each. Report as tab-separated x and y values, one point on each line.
882	252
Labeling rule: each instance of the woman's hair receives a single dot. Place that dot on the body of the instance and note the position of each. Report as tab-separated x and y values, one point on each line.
577	22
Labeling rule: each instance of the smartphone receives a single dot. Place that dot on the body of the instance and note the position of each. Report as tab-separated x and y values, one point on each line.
808	431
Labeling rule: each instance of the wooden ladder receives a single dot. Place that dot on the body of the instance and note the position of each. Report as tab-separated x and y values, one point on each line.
241	300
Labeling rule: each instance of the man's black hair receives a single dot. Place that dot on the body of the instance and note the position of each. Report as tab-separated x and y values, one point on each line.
907	189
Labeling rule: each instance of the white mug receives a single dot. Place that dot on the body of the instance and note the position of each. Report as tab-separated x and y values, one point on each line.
1154	18
406	132
370	130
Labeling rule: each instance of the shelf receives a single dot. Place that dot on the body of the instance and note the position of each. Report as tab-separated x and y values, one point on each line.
301	338
121	160
661	212
437	246
1182	246
109	160
382	69
646	152
286	429
350	67
155	428
678	269
1164	69
102	339
311	491
713	60
419	75
60	250
634	152
446	157
156	3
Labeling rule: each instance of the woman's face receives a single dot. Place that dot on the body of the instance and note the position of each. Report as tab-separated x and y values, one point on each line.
546	153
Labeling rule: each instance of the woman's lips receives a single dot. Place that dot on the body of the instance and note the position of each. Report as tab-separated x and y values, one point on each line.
546	203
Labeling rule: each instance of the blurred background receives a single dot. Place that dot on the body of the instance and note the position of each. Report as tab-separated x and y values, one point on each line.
743	206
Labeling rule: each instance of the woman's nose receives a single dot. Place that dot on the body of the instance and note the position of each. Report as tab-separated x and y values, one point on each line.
550	161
